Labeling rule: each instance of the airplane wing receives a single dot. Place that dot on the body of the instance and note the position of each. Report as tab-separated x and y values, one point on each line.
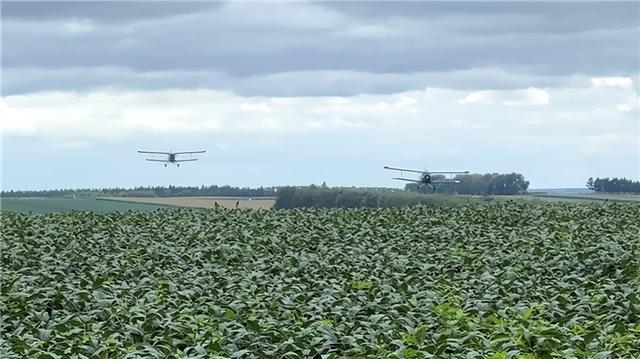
450	172
187	160
452	181
406	179
154	160
404	170
188	152
154	152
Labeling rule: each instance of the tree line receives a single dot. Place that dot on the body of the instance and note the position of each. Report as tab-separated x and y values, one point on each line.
613	185
488	184
351	197
151	191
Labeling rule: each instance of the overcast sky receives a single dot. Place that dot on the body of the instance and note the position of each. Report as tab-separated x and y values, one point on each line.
306	92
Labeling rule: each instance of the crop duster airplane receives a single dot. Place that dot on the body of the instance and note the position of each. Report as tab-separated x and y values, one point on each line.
171	157
425	176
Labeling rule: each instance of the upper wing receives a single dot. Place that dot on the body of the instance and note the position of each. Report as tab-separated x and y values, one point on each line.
159	153
154	160
187	160
430	172
187	152
406	179
403	169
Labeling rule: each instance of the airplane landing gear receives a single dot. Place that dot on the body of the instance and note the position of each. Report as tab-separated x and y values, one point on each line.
178	165
165	165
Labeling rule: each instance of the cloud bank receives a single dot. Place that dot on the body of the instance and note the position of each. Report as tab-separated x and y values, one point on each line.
319	90
316	48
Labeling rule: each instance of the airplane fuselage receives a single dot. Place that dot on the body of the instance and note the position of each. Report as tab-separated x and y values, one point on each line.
425	178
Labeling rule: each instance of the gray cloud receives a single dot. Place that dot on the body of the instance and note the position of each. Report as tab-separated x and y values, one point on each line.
317	48
502	16
101	11
290	84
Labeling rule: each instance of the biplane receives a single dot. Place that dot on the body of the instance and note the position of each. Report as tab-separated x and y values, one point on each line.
171	157
426	178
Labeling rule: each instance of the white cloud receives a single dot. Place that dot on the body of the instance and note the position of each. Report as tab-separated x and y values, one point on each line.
72	145
631	105
69	118
298	15
529	97
624	108
624	82
78	26
371	31
255	107
108	114
578	125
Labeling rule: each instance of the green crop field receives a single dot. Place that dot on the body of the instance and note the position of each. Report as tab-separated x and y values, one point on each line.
592	196
570	198
518	280
49	205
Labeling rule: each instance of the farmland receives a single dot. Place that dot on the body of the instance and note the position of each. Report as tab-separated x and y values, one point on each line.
504	280
200	202
592	197
110	204
49	205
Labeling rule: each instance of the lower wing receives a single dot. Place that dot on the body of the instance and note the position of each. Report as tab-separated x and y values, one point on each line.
188	160
450	172
154	160
406	179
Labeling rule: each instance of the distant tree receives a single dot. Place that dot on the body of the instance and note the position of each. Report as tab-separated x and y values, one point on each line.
479	184
614	185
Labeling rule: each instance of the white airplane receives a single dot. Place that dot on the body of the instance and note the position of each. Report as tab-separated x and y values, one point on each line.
171	157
